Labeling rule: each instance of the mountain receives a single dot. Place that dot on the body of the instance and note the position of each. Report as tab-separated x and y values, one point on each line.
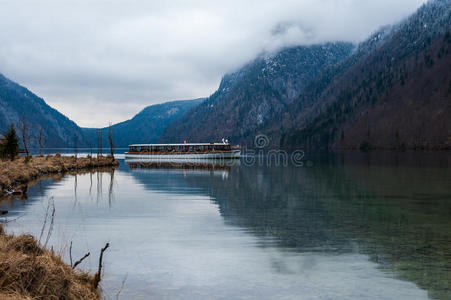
59	132
255	94
394	92
16	101
145	127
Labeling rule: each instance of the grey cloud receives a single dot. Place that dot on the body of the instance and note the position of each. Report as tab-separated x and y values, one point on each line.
120	56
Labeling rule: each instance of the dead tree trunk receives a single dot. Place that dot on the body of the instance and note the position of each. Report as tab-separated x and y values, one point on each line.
40	138
98	275
75	146
24	133
99	142
110	140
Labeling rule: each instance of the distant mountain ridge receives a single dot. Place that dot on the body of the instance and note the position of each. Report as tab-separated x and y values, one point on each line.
145	127
255	94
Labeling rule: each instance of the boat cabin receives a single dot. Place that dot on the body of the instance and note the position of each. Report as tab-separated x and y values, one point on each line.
180	148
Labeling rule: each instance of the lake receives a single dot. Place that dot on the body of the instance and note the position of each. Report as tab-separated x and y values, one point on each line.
343	226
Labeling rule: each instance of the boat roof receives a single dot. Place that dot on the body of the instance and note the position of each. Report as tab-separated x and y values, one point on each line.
187	144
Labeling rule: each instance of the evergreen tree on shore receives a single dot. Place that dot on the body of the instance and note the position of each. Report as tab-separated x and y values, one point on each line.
10	147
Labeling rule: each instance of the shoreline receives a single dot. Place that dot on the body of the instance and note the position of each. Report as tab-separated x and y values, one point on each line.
28	269
16	174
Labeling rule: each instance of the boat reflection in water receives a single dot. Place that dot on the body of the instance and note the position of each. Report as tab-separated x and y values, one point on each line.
192	166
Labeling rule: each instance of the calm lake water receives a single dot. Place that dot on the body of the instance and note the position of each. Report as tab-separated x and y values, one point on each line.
354	226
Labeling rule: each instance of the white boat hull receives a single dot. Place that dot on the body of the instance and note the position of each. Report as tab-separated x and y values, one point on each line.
180	156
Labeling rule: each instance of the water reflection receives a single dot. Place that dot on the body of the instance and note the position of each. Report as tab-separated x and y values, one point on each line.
342	229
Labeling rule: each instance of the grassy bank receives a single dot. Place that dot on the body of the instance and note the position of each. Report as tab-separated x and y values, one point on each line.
28	271
14	175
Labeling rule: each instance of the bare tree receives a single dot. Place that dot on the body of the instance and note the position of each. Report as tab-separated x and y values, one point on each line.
110	140
24	133
99	142
75	146
98	275
40	138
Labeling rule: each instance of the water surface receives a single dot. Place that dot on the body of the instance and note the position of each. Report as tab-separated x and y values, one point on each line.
340	227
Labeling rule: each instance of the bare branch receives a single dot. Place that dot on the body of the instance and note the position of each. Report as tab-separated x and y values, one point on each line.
81	260
40	138
70	253
122	287
45	220
98	275
52	220
110	140
24	133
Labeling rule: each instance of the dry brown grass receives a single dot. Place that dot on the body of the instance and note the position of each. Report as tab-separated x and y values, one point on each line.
27	271
23	170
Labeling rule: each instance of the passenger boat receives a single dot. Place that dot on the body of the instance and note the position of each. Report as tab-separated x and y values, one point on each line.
183	151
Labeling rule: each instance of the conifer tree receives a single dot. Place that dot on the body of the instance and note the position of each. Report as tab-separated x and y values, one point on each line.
10	148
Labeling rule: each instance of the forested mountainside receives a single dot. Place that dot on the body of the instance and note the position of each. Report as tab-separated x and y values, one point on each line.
396	95
254	95
16	101
392	92
145	127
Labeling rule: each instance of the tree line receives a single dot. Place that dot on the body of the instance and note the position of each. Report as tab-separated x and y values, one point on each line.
9	146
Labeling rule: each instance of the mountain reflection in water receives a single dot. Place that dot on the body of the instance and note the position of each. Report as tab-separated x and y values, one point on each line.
347	227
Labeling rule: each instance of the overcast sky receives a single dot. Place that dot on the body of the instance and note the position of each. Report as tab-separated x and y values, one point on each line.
101	61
